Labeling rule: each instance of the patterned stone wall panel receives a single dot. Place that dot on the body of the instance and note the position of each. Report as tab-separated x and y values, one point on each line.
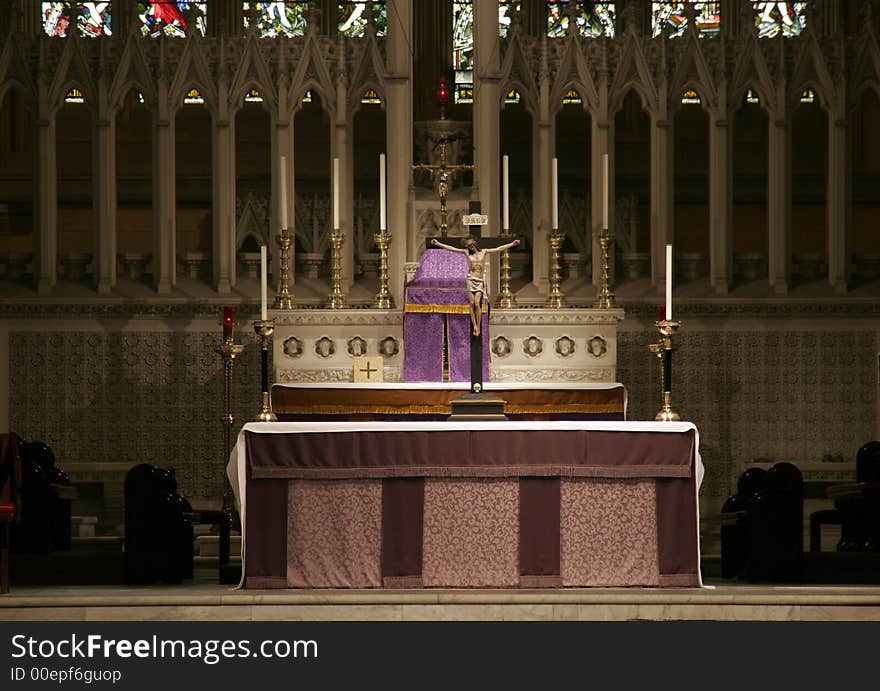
131	398
779	395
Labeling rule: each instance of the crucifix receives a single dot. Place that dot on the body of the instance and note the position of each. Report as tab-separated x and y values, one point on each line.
444	171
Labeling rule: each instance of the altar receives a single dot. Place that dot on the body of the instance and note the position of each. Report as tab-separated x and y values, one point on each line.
432	400
443	504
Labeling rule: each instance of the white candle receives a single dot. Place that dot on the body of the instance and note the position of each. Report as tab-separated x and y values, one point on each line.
554	217
282	211
605	200
335	194
381	191
505	191
263	282
668	282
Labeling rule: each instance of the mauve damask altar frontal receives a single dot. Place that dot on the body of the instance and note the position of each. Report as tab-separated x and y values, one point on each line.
509	504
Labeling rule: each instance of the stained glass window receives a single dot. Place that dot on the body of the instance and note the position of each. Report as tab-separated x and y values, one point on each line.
752	97
808	96
371	98
505	9
512	97
572	97
771	18
91	19
351	18
463	50
74	95
193	98
172	17
690	97
594	19
253	96
288	18
670	18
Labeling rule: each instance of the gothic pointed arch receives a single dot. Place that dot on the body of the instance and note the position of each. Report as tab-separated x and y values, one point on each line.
865	72
692	71
752	72
252	72
811	70
192	72
632	73
72	70
573	73
133	72
517	69
311	73
368	73
15	72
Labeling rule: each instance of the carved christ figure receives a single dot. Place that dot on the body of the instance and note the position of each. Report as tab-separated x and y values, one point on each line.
476	284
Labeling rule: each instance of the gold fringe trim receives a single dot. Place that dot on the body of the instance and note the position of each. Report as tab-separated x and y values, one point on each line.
441	409
364	410
539	409
439	309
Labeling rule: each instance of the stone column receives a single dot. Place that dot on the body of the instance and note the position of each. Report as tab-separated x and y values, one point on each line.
661	193
341	147
282	145
838	200
779	199
720	201
487	112
543	150
104	193
399	127
601	143
46	206
164	194
223	209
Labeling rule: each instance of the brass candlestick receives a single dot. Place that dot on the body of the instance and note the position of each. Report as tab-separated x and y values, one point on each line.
663	350
555	299
264	329
228	350
506	299
336	299
284	298
605	298
384	300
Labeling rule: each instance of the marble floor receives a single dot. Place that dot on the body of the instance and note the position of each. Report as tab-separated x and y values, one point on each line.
205	601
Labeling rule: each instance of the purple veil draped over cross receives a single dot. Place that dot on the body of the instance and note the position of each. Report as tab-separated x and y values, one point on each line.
437	297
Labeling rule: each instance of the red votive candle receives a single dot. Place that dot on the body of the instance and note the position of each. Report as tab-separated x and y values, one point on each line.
228	322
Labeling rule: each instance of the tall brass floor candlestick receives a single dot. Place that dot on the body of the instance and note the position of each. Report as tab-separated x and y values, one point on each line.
605	298
384	299
228	350
264	329
284	298
663	350
555	299
336	299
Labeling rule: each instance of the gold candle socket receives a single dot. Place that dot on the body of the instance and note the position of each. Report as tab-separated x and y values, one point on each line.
284	298
555	299
384	300
228	350
264	328
336	299
506	299
663	350
605	298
